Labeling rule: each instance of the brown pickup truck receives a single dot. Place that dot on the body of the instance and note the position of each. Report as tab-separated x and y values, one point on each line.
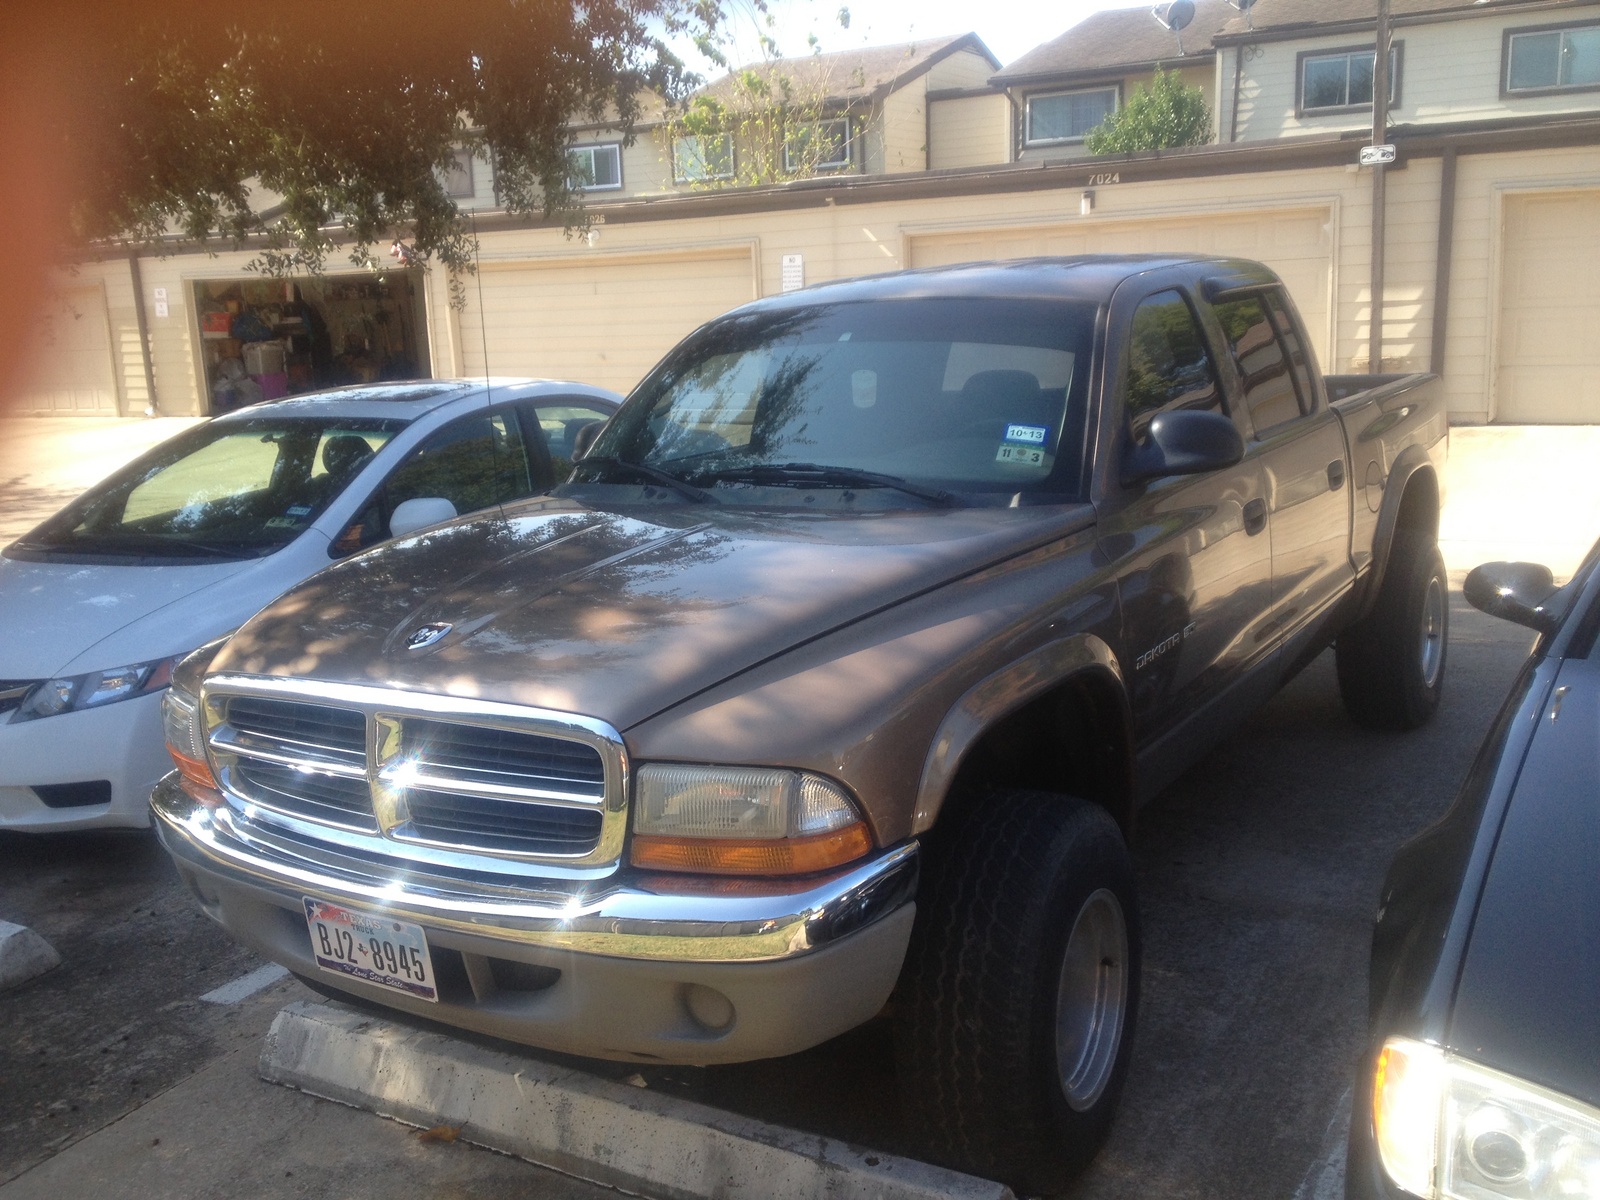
832	680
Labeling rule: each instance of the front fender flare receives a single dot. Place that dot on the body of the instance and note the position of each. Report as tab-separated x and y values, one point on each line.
999	694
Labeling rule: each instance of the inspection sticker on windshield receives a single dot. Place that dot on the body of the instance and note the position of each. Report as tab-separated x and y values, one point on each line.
1027	456
380	950
1028	435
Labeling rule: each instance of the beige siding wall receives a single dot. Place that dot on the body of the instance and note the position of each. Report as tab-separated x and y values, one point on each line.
1449	71
964	70
969	131
905	128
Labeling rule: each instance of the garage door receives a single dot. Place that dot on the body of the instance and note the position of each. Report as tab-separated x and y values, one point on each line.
602	322
72	372
1295	243
1549	364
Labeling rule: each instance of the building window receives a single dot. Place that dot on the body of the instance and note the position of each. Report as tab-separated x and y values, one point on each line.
822	146
596	168
1067	116
1342	79
1540	60
697	158
458	178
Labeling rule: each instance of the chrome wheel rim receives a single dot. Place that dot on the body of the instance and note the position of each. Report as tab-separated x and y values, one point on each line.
1432	633
1091	998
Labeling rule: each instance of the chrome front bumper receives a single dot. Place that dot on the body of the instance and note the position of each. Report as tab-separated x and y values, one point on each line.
654	917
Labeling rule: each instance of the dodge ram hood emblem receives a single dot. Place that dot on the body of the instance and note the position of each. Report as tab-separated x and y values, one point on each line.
426	635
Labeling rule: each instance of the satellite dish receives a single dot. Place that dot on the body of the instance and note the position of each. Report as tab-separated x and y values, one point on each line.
1176	18
1245	6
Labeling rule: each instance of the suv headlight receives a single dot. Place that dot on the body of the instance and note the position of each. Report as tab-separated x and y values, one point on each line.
743	821
74	693
1450	1129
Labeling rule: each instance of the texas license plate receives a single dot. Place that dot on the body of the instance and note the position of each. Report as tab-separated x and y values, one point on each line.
377	949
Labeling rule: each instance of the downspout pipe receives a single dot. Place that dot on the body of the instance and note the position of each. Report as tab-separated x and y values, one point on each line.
1380	130
152	408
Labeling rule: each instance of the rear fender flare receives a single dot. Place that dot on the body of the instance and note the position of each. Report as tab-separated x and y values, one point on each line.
1412	466
1000	694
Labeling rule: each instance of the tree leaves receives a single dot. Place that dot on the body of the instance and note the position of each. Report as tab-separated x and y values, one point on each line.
1163	115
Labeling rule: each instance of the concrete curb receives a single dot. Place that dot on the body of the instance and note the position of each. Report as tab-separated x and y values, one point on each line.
609	1133
23	955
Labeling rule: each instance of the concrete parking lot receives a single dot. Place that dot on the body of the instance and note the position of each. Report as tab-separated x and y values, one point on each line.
1258	872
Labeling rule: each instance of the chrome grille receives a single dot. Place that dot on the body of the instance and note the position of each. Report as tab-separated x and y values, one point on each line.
433	779
444	817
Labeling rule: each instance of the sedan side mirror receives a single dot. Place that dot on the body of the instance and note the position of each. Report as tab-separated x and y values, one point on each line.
411	515
1516	591
1187	441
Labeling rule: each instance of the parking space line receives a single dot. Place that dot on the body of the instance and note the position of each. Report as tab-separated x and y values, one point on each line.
246	985
1325	1179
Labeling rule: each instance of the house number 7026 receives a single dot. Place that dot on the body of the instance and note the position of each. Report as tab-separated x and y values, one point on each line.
1097	180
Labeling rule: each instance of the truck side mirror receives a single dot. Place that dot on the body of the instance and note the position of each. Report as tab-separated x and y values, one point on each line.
1515	591
1186	441
419	513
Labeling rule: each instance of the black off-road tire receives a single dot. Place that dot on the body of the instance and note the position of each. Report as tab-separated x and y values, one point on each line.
990	1082
1391	662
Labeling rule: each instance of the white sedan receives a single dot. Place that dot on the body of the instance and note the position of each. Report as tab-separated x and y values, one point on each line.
189	540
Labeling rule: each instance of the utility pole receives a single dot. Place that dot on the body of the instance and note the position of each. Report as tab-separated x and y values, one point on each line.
1380	136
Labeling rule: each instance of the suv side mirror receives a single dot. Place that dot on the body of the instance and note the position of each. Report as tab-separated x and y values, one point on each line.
419	513
1186	441
584	438
1515	591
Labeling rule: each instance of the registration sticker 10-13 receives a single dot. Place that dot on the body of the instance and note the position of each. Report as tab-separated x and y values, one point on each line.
371	947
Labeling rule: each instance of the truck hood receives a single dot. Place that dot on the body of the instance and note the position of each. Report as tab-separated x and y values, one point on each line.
610	614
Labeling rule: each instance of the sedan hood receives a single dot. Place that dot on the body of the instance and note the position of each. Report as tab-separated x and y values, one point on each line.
1529	985
611	615
53	612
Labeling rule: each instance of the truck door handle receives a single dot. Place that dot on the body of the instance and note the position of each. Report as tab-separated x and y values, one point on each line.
1336	474
1255	516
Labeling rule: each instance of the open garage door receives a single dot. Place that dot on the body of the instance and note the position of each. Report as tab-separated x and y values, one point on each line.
1296	243
1549	361
73	374
601	321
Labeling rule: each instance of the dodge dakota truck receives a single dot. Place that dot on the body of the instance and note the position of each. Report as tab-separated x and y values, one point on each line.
830	684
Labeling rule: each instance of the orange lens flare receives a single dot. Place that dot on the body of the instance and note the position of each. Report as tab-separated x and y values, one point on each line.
776	856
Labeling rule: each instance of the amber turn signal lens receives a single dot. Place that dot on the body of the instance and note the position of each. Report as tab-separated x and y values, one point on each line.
193	770
767	856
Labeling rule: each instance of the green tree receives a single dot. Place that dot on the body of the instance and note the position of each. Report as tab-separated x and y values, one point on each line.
1163	115
299	128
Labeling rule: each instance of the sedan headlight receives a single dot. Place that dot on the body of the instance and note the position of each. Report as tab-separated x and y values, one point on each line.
1449	1129
743	821
76	692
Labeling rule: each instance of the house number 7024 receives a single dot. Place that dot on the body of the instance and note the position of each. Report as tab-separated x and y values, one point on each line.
1097	180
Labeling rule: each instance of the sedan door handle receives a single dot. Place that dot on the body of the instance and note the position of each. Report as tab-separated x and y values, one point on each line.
1336	474
1255	516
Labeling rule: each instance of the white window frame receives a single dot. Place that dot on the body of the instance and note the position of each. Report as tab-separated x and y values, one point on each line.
593	150
848	142
1027	108
462	167
1396	60
679	175
1543	89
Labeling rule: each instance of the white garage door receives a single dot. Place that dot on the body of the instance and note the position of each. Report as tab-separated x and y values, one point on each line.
1549	365
72	372
1295	243
602	322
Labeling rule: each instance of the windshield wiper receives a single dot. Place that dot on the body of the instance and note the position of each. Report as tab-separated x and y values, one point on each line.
135	545
800	473
653	474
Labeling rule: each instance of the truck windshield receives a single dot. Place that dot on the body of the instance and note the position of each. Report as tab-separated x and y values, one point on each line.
925	400
237	488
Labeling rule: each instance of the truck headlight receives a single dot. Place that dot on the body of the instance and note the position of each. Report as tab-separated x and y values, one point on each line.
743	821
73	693
1450	1129
184	726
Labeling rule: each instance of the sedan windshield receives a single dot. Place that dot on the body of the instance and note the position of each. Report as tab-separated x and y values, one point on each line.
227	490
919	401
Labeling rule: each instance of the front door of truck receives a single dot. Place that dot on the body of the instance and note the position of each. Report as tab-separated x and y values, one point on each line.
1194	559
